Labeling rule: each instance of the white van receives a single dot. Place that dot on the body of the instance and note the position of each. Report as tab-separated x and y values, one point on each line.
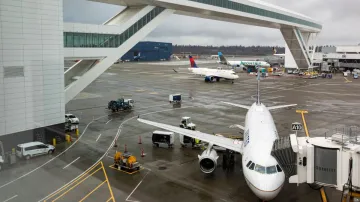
31	149
163	137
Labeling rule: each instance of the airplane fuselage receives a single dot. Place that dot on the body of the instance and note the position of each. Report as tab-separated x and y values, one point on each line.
220	73
249	63
260	168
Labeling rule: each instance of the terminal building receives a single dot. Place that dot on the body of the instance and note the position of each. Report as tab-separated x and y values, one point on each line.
35	42
331	57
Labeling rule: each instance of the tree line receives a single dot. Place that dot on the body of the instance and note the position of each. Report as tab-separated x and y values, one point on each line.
227	50
233	50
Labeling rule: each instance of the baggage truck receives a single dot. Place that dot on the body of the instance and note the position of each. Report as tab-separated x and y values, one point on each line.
175	98
163	138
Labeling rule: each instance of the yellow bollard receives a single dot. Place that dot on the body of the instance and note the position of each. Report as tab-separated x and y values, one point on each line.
54	142
67	137
77	132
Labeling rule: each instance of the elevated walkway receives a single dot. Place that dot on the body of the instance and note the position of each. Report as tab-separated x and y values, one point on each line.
104	44
123	31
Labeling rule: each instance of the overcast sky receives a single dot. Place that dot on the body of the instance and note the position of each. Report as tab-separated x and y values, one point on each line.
340	20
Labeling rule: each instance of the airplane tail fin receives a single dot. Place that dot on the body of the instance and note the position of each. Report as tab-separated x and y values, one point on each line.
222	59
192	62
258	88
274	50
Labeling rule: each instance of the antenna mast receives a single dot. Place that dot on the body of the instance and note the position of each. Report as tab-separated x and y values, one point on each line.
258	87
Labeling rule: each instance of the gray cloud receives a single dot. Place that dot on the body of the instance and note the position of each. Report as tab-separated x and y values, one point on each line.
339	19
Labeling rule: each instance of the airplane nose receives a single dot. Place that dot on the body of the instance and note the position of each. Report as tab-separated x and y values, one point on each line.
265	190
266	195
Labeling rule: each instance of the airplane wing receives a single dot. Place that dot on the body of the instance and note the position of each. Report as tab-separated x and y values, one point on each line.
280	106
237	105
237	126
234	145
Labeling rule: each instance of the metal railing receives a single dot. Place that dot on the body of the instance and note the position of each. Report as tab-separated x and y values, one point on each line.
349	134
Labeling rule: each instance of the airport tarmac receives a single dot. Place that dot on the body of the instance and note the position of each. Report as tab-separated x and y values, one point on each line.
174	174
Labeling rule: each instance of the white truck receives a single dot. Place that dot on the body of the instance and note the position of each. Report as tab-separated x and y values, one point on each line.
187	124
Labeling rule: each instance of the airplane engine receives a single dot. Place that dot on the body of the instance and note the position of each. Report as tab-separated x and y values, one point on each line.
208	78
208	161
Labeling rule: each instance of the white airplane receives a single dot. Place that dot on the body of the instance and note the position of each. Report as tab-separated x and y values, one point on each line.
262	172
211	74
281	55
242	64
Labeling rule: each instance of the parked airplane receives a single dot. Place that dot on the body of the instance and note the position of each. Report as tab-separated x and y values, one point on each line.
211	74
138	57
242	64
262	172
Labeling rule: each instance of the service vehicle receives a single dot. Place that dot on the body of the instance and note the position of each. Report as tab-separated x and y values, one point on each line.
175	98
70	118
187	124
126	161
163	138
121	104
70	127
31	149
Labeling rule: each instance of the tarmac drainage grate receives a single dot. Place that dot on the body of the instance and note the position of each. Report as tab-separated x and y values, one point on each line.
162	168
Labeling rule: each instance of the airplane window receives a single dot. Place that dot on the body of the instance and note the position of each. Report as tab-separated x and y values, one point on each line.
260	169
278	168
248	164
252	166
270	170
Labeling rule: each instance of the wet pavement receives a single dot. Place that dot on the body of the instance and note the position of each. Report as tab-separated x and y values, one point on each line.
174	174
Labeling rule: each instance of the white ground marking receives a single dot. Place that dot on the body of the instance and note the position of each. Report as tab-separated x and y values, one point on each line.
10	198
112	144
71	162
127	199
98	137
108	121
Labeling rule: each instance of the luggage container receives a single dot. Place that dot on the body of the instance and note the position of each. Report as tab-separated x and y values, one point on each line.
175	98
163	138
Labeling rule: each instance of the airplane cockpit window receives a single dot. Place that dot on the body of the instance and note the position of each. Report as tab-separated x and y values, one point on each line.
260	169
252	166
278	168
248	164
270	170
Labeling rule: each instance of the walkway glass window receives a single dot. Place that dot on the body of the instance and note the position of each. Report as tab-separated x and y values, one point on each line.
257	11
95	40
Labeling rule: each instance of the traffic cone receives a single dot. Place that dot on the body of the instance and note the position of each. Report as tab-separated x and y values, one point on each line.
142	152
140	140
115	145
125	150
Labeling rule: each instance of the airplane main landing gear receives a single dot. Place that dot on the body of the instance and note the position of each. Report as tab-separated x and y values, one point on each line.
228	160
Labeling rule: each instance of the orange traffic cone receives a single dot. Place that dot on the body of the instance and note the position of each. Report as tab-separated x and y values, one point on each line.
142	152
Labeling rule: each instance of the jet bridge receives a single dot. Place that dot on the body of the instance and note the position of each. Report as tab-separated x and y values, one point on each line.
332	160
